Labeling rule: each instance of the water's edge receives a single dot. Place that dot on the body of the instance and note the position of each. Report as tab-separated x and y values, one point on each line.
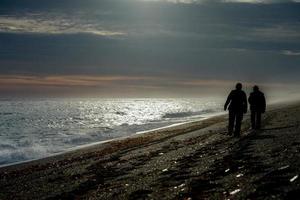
137	134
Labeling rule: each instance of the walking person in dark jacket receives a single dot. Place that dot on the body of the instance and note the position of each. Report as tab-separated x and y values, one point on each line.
257	103
237	101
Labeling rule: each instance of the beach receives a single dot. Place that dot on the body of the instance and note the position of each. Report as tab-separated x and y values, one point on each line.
195	160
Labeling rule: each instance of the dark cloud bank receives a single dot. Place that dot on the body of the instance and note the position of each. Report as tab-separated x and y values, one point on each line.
254	42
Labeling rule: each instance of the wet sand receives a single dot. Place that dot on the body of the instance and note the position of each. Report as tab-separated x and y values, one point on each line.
191	161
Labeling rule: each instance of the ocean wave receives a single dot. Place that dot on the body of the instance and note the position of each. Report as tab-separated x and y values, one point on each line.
21	154
120	113
186	114
6	113
6	146
78	140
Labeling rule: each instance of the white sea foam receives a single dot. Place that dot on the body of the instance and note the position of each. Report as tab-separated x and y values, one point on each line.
31	129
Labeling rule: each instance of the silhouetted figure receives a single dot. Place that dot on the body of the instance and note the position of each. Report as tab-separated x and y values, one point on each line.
257	103
237	101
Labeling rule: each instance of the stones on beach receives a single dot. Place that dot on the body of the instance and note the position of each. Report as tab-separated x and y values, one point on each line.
179	186
235	191
283	167
294	178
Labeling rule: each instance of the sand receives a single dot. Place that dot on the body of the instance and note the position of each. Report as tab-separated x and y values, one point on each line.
196	160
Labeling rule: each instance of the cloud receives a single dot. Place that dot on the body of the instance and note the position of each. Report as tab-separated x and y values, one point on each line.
65	81
44	24
280	31
260	1
218	41
291	53
123	86
227	1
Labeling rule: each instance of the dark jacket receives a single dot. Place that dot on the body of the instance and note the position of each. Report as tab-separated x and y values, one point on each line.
257	101
237	101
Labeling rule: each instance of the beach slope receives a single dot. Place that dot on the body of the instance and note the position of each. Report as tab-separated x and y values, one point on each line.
191	161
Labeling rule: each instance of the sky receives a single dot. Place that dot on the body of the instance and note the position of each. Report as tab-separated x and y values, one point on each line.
147	48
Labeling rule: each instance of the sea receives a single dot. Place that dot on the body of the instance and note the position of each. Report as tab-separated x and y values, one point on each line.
37	128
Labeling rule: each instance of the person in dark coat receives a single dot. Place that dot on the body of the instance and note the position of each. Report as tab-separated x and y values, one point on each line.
257	103
237	101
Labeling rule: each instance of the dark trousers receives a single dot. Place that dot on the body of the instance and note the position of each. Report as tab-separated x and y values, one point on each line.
235	120
255	119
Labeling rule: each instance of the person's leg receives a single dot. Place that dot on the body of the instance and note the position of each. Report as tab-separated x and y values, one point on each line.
258	120
238	123
253	119
231	122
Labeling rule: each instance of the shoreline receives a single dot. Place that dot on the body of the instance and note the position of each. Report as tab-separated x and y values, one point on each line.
89	145
195	160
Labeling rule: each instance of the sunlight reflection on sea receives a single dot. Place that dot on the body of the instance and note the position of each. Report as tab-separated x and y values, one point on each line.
31	129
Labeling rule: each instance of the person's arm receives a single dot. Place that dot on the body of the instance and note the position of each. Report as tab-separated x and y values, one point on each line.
263	103
227	101
245	103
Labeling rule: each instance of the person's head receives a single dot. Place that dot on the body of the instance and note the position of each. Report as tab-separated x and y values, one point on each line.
238	86
255	88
